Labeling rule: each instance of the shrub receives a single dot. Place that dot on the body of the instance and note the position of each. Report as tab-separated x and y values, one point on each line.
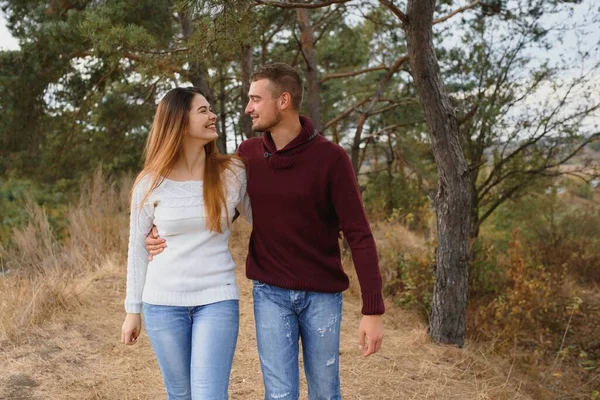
398	198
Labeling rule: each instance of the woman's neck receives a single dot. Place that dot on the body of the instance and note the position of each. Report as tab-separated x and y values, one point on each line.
191	163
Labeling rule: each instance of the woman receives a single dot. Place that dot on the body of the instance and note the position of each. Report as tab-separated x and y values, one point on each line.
189	294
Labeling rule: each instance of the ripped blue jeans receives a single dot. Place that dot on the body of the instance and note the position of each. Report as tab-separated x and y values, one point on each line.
283	317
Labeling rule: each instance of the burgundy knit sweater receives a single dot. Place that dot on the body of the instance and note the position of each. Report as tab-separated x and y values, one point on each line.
301	196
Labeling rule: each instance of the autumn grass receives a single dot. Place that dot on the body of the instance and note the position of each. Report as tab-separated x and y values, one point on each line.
77	354
62	307
42	273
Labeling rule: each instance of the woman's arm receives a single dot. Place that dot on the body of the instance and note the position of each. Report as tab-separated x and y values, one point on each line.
140	223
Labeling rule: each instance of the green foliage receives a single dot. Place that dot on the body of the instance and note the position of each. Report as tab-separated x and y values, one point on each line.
586	191
396	197
17	194
487	278
416	277
408	278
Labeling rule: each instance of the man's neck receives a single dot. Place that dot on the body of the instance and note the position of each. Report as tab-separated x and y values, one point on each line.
286	131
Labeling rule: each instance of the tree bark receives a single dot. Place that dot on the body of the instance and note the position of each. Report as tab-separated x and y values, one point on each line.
336	134
222	112
199	76
453	199
307	40
246	62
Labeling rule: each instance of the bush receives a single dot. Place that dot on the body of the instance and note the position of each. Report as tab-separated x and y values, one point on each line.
16	195
397	197
531	307
487	276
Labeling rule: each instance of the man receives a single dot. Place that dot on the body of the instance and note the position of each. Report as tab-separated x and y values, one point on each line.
302	189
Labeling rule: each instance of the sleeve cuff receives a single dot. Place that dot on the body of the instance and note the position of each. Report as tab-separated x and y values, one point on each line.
133	308
372	304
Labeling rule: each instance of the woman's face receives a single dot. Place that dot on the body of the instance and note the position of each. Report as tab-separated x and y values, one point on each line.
201	120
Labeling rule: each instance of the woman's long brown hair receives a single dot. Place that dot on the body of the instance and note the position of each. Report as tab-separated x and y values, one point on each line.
164	146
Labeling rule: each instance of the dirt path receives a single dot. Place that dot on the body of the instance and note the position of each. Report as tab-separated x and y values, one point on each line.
78	355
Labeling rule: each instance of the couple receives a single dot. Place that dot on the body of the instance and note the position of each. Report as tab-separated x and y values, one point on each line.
302	189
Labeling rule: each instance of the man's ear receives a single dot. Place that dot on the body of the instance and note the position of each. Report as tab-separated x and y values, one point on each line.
285	101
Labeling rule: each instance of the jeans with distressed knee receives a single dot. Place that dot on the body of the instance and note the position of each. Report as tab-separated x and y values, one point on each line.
283	318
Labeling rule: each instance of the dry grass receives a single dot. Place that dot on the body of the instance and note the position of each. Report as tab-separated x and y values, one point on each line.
65	321
398	238
44	272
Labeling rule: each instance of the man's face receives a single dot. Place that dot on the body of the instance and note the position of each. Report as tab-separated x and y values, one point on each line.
262	106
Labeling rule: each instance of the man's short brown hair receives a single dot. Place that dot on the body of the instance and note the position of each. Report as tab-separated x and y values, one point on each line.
284	78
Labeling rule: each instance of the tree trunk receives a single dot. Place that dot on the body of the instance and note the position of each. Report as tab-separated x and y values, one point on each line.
355	149
221	140
307	41
390	177
263	53
199	81
453	199
246	62
199	76
335	134
475	224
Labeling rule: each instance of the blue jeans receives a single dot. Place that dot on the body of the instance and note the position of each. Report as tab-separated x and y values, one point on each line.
194	347
282	318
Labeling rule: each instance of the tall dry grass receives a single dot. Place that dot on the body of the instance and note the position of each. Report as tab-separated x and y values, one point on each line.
78	354
43	273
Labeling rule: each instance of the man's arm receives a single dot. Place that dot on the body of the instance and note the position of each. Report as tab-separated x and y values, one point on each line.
353	222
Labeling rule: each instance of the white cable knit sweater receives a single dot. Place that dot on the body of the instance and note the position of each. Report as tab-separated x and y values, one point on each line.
196	267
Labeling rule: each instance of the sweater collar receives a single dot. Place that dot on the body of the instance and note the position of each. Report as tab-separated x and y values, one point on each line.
284	158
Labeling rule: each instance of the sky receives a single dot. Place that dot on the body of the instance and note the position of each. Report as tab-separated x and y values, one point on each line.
7	42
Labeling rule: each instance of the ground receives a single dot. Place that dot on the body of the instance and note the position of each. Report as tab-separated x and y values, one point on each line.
77	354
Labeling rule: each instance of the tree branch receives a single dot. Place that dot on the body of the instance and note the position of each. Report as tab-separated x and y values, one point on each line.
389	128
401	16
345	113
544	169
505	196
328	16
162	64
275	31
353	73
299	5
383	83
457	11
375	21
547	125
391	106
326	24
151	91
160	52
470	114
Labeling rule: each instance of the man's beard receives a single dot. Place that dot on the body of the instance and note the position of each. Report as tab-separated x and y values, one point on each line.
267	127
